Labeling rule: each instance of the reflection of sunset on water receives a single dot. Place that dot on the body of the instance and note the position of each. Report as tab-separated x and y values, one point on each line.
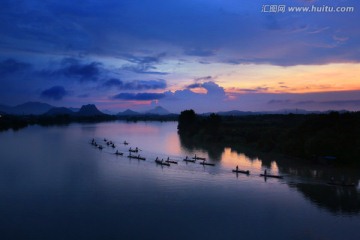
172	143
231	159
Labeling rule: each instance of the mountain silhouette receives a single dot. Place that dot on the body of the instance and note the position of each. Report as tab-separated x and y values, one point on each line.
158	111
59	111
89	110
128	112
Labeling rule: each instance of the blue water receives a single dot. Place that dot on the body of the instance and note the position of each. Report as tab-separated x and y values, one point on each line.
55	185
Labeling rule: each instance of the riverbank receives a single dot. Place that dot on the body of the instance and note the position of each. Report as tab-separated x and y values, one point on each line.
329	138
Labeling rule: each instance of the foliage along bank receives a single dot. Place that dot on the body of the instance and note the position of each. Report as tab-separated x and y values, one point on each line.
333	136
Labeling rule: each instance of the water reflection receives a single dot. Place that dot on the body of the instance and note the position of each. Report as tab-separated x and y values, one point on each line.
54	183
338	200
311	180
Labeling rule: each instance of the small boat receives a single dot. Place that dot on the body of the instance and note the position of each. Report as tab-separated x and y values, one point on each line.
161	162
207	164
341	184
134	150
271	176
105	140
171	161
100	147
118	153
199	158
125	143
189	160
137	157
241	171
113	145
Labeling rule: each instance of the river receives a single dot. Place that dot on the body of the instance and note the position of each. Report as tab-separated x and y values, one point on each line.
54	184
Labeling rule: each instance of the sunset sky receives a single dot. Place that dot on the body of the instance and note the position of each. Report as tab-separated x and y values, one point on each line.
208	55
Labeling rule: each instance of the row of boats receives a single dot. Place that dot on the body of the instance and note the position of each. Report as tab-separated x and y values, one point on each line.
168	161
163	162
195	159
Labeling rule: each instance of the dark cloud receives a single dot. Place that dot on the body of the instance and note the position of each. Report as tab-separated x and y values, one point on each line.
54	93
139	96
252	90
73	68
136	84
11	66
143	64
142	69
237	33
194	85
207	78
112	83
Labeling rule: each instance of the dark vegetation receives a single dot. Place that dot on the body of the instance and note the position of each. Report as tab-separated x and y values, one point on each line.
333	137
17	122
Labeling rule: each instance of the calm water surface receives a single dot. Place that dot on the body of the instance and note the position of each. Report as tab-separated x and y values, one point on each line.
55	185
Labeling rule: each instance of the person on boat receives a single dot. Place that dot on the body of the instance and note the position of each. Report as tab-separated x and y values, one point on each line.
186	157
265	172
237	168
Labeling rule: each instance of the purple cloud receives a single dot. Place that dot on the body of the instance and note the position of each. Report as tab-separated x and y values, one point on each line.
54	93
139	96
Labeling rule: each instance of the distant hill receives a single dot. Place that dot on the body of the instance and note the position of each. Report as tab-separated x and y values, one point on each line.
293	111
74	109
28	108
89	110
128	112
59	111
158	111
232	113
106	111
4	109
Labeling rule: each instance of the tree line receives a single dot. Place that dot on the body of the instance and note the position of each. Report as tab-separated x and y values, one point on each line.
333	135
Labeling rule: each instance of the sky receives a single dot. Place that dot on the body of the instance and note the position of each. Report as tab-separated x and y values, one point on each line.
206	55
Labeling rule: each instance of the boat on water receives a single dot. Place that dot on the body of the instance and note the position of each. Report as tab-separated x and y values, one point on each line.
100	147
137	157
199	158
341	183
189	160
119	153
161	162
271	176
171	161
125	143
134	150
241	171
207	164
